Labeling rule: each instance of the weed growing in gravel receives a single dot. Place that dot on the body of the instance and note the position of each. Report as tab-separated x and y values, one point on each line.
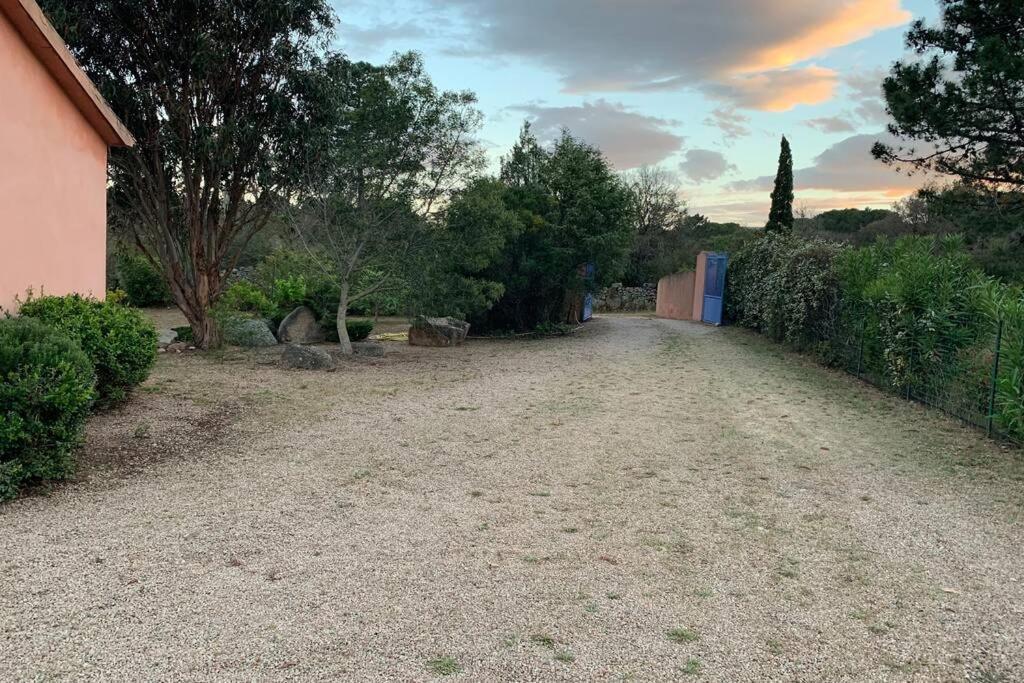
703	593
142	431
683	635
543	639
613	596
691	668
590	608
565	656
444	666
774	646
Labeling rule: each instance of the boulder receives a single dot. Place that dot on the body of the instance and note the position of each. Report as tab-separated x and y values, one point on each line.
165	338
248	332
437	332
369	349
300	327
300	357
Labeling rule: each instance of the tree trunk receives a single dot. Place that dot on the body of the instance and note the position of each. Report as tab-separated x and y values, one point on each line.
205	333
343	341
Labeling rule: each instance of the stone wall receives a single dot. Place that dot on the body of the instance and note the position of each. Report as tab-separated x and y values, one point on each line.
619	299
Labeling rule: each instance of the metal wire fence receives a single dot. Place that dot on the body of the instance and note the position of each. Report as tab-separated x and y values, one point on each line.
954	365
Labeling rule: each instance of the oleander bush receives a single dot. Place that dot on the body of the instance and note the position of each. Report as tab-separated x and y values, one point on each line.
119	340
913	315
47	386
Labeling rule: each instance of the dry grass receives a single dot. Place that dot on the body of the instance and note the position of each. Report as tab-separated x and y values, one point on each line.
590	496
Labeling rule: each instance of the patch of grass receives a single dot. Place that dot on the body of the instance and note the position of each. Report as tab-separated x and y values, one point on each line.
613	596
543	639
540	494
142	431
570	530
565	656
682	635
774	646
467	408
590	608
691	668
789	569
444	666
531	559
703	592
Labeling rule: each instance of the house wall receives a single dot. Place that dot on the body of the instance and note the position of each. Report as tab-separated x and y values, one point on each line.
53	177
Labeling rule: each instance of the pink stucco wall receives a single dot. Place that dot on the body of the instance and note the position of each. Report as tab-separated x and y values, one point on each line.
675	296
53	175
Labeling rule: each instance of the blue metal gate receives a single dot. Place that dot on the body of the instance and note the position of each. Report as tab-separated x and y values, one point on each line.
714	288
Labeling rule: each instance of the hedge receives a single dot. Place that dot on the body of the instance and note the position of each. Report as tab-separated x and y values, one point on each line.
46	389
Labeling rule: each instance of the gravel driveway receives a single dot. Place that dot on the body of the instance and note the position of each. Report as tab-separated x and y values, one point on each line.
646	500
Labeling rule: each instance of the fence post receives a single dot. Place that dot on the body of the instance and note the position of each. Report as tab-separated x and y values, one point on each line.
995	378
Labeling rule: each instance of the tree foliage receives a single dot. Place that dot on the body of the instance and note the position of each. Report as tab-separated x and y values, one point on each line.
959	107
528	233
208	90
780	216
393	148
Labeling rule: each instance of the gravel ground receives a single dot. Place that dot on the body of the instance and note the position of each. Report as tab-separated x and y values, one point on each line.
646	500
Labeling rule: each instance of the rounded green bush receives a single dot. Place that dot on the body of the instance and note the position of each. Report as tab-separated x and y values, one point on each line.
46	389
119	340
143	284
246	297
358	330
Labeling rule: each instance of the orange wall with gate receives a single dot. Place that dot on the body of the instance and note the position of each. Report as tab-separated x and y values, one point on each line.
681	295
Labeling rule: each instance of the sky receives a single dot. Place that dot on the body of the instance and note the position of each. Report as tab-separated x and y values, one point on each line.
702	88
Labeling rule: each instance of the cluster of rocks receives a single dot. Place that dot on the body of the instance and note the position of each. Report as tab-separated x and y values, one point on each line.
300	329
617	298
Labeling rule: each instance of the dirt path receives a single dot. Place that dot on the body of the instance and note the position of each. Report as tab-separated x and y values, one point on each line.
548	510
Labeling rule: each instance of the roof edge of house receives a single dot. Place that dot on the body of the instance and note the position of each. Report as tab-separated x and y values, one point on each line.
49	48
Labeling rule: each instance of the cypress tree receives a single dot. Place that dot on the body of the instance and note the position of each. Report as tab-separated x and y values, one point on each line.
780	218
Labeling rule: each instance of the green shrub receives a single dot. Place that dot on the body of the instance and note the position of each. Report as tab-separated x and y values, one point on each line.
358	330
143	284
119	340
46	389
785	287
184	333
245	297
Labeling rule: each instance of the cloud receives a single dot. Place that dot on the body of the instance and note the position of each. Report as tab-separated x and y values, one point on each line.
732	123
776	90
832	124
704	164
866	90
628	139
739	47
846	166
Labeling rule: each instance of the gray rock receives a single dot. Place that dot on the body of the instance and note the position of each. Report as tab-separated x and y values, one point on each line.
369	349
307	358
437	331
248	332
165	338
300	327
